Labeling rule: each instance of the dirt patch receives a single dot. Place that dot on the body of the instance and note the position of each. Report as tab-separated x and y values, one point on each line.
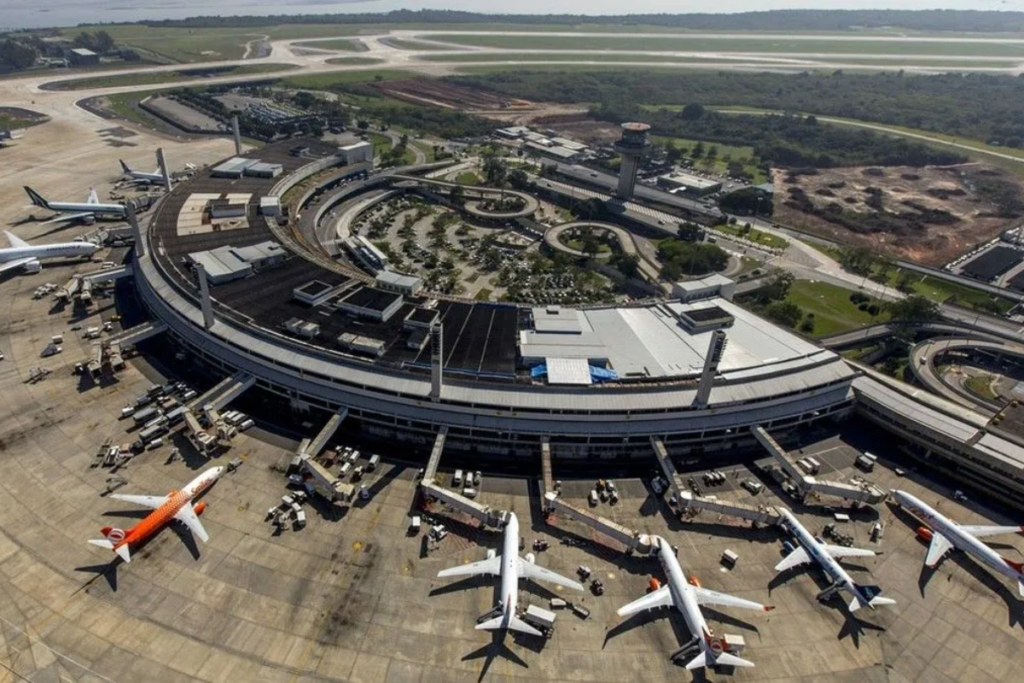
929	215
422	91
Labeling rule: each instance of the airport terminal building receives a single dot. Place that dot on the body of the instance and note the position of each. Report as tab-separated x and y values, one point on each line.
500	378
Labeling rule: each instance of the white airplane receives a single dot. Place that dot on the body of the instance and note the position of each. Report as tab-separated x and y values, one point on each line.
945	534
141	176
511	567
811	549
21	254
87	211
176	505
6	135
687	597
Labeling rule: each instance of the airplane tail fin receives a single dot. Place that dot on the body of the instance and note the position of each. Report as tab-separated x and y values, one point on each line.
36	198
870	594
124	166
514	624
1016	565
122	550
726	659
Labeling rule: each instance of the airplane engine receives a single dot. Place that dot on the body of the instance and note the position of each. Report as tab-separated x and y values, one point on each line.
199	507
694	581
925	534
531	558
491	554
33	267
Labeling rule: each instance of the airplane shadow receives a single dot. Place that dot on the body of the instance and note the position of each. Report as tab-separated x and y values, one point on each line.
853	626
634	621
491	651
460	585
107	571
182	532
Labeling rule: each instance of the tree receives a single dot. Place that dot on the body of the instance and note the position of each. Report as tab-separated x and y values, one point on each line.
913	309
627	264
17	55
777	289
518	179
363	124
590	244
673	154
690	232
698	150
671	271
104	43
691	112
713	152
784	312
590	209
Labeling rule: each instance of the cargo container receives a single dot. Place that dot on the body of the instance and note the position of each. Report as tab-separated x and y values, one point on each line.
141	417
539	617
374	461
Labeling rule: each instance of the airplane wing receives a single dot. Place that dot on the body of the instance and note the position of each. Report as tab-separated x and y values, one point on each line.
982	531
839	552
17	263
714	598
145	501
532	571
93	197
794	559
653	600
939	547
189	517
490	566
16	242
66	217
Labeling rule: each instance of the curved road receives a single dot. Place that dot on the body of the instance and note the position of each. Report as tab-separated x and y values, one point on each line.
923	359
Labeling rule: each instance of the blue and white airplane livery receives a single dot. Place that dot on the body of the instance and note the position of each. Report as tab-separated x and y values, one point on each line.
813	550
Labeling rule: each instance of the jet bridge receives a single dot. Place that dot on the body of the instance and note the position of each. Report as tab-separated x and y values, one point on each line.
109	274
325	435
860	491
226	391
633	540
694	505
485	513
548	483
135	335
430	472
674	480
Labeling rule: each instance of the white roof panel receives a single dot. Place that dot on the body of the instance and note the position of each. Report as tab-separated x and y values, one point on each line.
573	371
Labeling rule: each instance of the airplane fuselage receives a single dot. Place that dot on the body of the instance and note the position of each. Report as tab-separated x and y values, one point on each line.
66	249
95	209
960	539
816	552
683	596
159	518
510	569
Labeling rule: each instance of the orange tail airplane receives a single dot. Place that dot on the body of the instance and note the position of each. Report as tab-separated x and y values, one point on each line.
175	505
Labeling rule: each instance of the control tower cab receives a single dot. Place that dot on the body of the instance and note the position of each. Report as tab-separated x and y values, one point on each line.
631	146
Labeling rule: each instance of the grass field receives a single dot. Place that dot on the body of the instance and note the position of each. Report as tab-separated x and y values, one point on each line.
940	290
325	81
748	44
720	164
833	311
415	45
125	105
152	77
755	235
467	178
341	45
981	385
354	61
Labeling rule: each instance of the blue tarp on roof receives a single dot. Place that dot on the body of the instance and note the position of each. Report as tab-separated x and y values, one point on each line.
596	374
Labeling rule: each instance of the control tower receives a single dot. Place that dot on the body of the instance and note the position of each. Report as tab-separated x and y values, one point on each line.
631	146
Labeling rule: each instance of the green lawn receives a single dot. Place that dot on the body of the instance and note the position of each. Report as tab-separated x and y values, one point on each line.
415	45
484	294
940	291
833	311
981	385
124	105
354	61
751	43
156	77
467	178
554	57
725	153
755	235
341	45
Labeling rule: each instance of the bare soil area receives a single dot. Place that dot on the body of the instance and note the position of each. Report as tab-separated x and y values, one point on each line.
929	215
423	91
